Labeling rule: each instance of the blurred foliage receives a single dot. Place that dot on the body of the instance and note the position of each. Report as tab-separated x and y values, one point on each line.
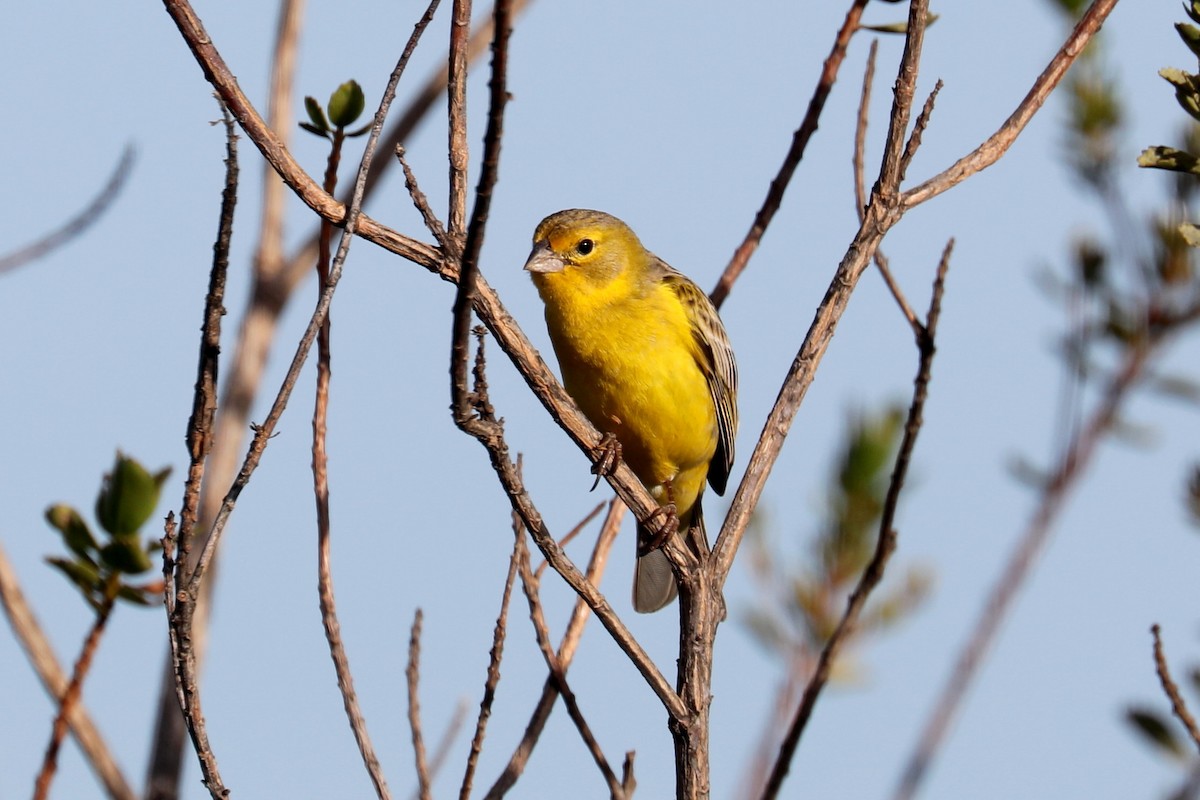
804	598
98	567
1138	284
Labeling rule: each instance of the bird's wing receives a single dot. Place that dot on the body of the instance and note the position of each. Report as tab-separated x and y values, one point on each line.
717	364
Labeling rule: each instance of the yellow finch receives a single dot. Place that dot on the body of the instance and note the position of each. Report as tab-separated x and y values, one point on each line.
645	356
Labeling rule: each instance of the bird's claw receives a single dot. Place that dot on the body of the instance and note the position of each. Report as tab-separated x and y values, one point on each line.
608	455
666	529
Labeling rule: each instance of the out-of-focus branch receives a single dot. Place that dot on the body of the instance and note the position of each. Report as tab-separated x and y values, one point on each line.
1074	462
41	655
412	674
77	224
228	431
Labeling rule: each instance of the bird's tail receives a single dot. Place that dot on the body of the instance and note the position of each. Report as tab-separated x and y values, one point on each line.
653	581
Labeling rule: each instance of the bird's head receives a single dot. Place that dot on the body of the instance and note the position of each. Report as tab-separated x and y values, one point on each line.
583	247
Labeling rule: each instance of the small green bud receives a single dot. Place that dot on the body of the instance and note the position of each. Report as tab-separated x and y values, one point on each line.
346	104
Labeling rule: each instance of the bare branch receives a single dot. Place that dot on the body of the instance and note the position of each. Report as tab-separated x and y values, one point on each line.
493	671
460	23
779	184
77	224
796	152
998	143
70	697
181	607
1178	706
413	675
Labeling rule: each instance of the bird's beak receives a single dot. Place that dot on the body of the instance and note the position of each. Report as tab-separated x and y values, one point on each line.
543	259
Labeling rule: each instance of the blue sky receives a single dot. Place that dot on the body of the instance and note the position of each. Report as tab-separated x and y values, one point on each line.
675	119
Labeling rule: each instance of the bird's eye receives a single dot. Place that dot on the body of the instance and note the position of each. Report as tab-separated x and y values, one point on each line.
585	246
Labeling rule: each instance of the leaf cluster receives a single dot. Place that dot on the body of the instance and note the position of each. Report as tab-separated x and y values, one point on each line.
345	106
98	566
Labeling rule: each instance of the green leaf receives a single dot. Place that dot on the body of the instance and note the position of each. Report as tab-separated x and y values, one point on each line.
82	574
75	532
125	555
128	497
1156	730
346	104
319	124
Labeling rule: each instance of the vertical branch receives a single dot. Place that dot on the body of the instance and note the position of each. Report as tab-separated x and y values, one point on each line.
473	237
460	25
412	674
179	571
493	671
225	432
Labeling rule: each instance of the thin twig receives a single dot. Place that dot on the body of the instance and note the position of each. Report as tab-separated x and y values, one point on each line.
566	652
41	655
493	671
885	544
530	585
412	674
882	213
1171	690
860	189
225	434
325	275
181	608
996	145
808	126
432	223
73	227
70	698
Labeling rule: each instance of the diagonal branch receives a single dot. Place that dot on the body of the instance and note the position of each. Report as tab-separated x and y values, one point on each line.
808	126
996	145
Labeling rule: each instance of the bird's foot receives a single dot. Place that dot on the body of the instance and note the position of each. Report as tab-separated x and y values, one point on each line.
667	527
608	455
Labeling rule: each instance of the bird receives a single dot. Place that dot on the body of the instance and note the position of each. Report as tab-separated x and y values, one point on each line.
645	356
